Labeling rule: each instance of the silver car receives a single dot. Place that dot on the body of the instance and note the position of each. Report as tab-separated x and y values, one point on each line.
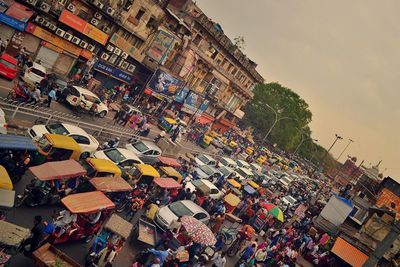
147	151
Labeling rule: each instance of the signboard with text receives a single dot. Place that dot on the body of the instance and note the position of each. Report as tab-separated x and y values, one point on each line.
13	23
195	103
164	83
159	47
113	71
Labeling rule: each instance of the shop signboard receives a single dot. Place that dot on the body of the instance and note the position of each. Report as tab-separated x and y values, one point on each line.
164	83
82	26
53	39
19	12
160	45
181	95
112	71
13	23
195	103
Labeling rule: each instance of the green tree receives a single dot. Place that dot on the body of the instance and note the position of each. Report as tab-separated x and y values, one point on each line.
239	42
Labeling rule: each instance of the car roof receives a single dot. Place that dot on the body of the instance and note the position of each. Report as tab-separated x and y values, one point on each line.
72	129
229	160
193	206
9	58
246	171
39	67
151	145
208	157
128	154
243	162
208	183
84	91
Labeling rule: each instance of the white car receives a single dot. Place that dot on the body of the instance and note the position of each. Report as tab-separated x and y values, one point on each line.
205	160
79	96
243	164
285	181
288	201
256	167
121	157
206	172
35	73
87	142
226	171
208	188
3	123
244	174
228	162
147	151
165	215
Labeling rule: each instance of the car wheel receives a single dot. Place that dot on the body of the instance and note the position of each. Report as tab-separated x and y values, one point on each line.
102	114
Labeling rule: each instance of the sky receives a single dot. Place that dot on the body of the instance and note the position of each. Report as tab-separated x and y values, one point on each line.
342	57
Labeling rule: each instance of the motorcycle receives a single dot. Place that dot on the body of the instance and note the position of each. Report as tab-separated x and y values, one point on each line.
36	196
122	203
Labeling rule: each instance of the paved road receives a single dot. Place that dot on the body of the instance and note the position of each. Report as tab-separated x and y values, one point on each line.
24	215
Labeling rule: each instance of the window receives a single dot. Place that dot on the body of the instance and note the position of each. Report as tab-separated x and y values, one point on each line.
200	216
105	174
214	191
61	154
151	22
197	39
81	139
140	14
148	153
233	102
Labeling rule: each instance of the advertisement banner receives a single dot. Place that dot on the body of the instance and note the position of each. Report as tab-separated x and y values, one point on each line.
13	23
189	63
160	46
19	12
112	71
195	103
82	26
181	95
164	83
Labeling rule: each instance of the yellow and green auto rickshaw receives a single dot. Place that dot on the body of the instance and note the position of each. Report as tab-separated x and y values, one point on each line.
7	193
141	174
56	147
100	168
167	171
166	123
261	159
249	150
213	134
206	141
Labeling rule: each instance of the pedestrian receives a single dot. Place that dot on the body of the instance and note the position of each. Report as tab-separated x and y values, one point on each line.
261	255
219	220
51	96
159	254
36	235
248	252
220	261
35	96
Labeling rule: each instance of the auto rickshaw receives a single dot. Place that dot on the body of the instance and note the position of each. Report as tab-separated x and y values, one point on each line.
231	201
167	161
206	141
161	184
213	134
249	150
11	238
166	123
52	181
253	184
7	194
261	159
55	147
112	237
249	190
100	168
141	174
88	211
166	171
234	183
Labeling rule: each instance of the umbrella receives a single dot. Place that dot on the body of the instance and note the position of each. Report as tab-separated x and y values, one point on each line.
198	231
267	206
277	213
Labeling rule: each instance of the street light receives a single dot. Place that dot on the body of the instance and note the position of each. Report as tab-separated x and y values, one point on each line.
350	141
302	141
276	120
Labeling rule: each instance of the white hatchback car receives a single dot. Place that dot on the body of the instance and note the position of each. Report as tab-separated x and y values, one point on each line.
87	142
35	73
3	123
121	157
205	160
208	188
80	96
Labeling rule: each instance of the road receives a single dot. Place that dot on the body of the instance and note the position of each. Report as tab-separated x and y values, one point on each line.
23	216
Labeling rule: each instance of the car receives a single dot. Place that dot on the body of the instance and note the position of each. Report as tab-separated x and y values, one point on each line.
226	171
130	109
285	181
207	187
147	151
206	172
243	164
228	162
121	157
79	96
256	167
3	122
87	142
288	201
165	215
218	142
244	174
35	73
205	160
8	66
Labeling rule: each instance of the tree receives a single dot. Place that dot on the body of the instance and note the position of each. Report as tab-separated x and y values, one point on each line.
239	42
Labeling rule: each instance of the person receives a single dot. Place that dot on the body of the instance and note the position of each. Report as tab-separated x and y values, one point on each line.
246	232
36	235
67	219
156	263
51	96
248	252
218	223
160	254
35	96
44	85
220	261
261	255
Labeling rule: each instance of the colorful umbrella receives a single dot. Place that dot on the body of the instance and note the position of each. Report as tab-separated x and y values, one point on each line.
267	206
198	231
277	213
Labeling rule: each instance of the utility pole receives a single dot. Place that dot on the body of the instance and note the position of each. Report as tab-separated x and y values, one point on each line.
338	137
350	141
384	246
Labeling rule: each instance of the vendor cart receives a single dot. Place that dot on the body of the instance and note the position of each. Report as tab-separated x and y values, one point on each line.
48	256
11	238
146	232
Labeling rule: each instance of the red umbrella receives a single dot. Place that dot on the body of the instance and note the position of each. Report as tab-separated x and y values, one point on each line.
198	231
267	206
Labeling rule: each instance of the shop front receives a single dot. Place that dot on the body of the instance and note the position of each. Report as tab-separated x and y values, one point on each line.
14	18
110	76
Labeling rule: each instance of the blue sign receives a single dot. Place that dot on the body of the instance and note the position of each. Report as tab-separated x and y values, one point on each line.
16	24
195	103
181	95
113	72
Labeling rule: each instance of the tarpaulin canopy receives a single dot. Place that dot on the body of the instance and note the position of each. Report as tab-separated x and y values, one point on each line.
57	170
89	202
8	141
169	161
111	184
349	253
168	183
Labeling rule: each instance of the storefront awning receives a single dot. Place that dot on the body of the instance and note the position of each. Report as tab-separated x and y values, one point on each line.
348	253
205	119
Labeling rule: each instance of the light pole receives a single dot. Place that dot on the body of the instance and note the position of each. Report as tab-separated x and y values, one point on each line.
275	121
301	142
350	141
338	137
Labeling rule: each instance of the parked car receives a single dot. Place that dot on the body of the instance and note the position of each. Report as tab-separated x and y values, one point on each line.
244	174
207	187
289	200
285	181
228	162
35	73
205	160
226	171
87	142
256	167
130	109
206	172
79	96
8	66
218	142
121	157
147	151
3	122
243	164
165	215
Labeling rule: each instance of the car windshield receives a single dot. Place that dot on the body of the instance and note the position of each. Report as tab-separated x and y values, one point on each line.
242	173
57	128
179	209
203	159
290	199
224	162
198	183
44	144
206	169
114	155
38	72
7	64
285	179
224	171
140	146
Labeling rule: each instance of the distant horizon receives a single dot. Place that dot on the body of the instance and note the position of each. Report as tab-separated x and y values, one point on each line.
339	60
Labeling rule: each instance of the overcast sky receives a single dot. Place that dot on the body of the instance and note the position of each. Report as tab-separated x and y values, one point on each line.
342	57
